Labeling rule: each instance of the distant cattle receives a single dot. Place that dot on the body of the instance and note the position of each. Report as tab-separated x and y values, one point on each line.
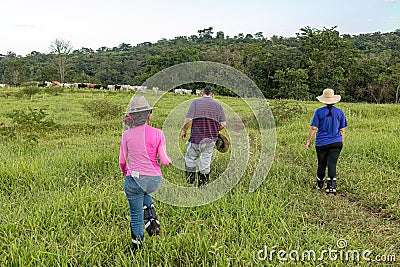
43	84
66	85
155	90
4	85
127	87
181	91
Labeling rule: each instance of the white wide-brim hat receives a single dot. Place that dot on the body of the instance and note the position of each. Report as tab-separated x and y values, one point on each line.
328	97
138	104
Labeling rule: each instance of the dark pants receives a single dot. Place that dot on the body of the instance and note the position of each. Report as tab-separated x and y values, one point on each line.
327	157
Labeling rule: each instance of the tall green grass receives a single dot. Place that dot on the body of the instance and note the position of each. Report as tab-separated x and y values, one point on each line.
62	199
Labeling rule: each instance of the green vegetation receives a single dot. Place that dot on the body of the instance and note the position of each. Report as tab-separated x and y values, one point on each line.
62	199
362	68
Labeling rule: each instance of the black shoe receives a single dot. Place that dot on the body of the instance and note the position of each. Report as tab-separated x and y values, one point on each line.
191	178
152	225
320	183
203	179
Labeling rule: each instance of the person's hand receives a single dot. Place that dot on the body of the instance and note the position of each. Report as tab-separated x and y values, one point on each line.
308	145
183	135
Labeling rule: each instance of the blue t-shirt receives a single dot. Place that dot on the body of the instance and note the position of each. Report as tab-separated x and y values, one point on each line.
328	127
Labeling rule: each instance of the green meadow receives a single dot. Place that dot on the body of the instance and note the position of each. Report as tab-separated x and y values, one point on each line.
63	204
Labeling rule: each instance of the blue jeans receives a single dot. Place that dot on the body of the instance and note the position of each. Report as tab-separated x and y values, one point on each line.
137	191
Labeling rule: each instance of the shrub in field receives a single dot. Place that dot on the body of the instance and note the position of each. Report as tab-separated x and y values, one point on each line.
6	131
284	110
32	124
103	109
29	91
53	90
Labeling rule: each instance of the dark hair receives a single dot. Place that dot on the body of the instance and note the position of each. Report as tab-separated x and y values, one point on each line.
136	119
208	90
330	110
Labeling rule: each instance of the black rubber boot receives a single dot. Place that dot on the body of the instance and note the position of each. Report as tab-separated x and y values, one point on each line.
328	185
191	178
333	190
320	183
136	242
203	179
331	185
152	225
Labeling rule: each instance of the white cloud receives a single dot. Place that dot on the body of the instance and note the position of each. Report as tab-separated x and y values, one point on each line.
390	1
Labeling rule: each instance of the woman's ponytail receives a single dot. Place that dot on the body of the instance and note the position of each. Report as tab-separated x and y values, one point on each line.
330	110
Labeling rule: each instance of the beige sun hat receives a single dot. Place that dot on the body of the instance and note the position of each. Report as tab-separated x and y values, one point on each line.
222	144
328	97
138	104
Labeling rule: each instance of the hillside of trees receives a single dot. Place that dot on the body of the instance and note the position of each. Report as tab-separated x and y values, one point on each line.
364	67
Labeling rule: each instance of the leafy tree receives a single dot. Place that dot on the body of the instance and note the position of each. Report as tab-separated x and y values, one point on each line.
395	74
15	68
292	84
329	57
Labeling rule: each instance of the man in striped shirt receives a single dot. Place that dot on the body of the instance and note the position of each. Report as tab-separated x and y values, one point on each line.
206	118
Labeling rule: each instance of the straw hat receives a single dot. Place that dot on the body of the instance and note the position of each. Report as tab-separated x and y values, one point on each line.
328	97
222	144
138	104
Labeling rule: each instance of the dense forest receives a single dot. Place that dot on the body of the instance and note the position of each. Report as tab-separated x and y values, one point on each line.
364	67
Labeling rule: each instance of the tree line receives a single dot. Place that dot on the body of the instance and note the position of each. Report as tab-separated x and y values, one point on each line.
364	67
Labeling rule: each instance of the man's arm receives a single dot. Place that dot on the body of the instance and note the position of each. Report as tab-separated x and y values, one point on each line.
222	125
186	125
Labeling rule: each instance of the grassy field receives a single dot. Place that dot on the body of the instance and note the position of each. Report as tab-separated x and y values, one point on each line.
62	199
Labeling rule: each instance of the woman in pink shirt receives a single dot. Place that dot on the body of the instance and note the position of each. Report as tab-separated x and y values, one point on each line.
141	146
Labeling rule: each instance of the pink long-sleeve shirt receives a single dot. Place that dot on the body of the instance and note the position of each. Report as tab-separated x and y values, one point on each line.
143	145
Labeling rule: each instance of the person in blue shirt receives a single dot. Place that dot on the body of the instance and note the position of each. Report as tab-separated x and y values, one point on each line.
329	123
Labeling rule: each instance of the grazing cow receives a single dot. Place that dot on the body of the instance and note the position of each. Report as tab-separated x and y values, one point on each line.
91	85
97	86
82	85
4	85
181	91
140	88
126	87
55	83
155	90
198	92
111	87
43	84
66	85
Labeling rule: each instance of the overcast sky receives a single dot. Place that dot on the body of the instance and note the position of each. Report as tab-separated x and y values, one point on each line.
31	25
